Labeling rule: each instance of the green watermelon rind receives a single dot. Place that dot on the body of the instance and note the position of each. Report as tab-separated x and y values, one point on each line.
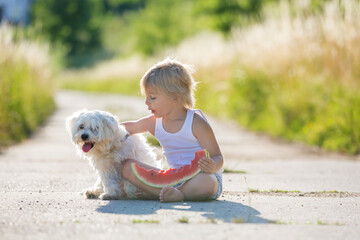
133	167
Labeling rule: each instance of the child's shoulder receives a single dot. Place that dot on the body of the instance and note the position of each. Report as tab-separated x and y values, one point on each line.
147	124
201	128
151	119
200	121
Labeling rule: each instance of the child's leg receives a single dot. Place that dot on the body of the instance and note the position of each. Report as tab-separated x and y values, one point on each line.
128	174
200	187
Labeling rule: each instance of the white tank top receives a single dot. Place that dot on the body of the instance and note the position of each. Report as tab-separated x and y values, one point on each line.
180	147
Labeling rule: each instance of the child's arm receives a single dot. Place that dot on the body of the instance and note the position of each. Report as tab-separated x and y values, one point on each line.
146	124
206	137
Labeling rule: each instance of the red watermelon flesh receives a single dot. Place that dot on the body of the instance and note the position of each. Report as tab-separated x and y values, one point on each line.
172	176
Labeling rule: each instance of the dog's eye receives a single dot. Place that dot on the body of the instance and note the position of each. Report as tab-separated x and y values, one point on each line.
81	127
94	130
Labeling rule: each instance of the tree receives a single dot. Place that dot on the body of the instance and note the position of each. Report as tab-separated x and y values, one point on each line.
162	23
73	24
226	13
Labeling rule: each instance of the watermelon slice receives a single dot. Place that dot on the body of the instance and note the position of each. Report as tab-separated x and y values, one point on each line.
172	176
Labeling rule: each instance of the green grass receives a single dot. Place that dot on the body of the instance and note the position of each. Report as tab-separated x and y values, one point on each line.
26	90
290	191
335	191
298	88
227	170
238	220
280	222
283	88
212	220
183	220
254	190
110	85
145	221
319	222
325	114
273	191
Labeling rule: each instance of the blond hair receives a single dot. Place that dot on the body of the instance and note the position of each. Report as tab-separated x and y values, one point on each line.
173	79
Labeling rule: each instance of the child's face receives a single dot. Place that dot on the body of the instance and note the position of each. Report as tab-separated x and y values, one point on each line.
159	104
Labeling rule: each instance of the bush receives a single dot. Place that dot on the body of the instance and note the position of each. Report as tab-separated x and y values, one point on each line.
297	77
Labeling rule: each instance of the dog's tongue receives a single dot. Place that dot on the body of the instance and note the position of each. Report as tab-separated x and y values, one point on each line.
86	147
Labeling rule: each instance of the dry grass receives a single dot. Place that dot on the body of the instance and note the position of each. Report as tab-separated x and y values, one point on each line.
325	44
285	43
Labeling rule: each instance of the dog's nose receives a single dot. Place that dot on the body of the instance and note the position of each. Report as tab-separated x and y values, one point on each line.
84	136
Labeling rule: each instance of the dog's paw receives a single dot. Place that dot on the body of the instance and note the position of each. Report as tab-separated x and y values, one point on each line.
106	196
89	194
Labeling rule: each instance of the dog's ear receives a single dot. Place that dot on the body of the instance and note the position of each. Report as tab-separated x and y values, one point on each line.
109	127
70	121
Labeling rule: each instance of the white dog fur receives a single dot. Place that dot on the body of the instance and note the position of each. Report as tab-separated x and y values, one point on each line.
100	138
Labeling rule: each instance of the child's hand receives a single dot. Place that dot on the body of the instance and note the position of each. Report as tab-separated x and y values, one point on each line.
207	165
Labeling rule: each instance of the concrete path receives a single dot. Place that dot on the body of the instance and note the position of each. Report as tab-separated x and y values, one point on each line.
284	191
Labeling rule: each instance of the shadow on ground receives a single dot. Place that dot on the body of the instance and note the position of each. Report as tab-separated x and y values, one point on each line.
226	211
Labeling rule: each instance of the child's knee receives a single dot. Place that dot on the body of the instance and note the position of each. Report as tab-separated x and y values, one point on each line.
213	186
210	185
204	186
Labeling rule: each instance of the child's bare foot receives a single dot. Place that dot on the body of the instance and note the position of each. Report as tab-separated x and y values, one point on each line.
171	194
140	194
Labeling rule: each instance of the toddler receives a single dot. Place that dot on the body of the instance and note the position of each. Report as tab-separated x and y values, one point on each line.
181	131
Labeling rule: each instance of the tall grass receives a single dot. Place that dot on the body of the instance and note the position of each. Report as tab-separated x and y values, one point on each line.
26	93
296	76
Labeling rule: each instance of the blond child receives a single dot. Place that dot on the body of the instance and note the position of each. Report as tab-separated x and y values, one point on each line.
181	131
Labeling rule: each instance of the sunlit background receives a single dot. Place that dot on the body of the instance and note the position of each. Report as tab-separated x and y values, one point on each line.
288	68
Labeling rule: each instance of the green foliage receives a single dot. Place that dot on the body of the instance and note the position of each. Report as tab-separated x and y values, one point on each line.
302	87
161	24
121	6
74	24
281	88
123	26
26	96
224	14
323	113
149	26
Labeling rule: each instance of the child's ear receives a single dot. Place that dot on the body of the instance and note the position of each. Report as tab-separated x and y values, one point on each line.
176	98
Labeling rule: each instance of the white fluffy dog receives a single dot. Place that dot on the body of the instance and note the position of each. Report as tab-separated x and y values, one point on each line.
100	138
